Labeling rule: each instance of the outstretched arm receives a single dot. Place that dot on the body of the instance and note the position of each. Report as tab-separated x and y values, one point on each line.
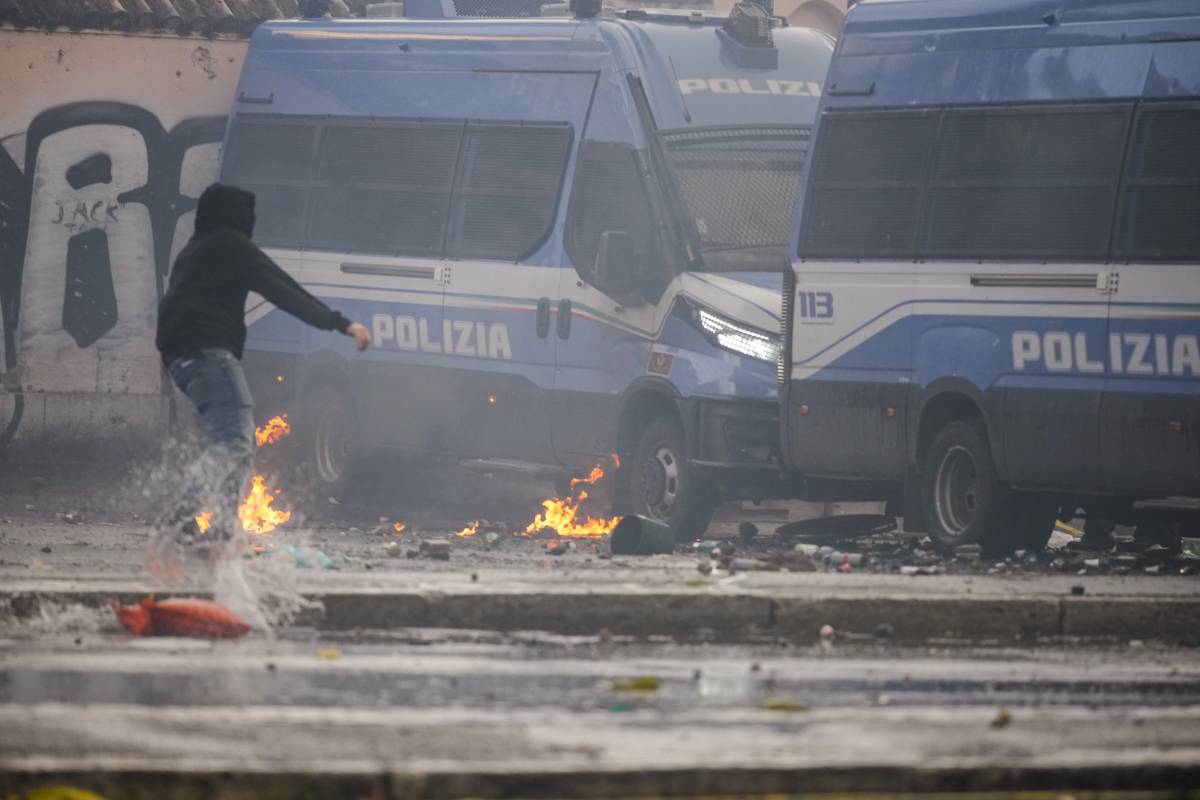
268	279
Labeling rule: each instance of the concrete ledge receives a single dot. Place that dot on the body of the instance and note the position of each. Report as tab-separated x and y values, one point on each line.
703	614
1147	781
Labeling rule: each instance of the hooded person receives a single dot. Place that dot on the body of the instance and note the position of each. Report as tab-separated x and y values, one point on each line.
201	333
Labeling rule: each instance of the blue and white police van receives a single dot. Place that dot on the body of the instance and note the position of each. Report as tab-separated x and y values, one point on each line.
993	309
568	236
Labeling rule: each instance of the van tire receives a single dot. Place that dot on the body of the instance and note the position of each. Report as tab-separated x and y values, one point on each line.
661	483
330	442
961	496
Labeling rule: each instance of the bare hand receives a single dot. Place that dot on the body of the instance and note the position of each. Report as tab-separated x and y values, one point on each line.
362	336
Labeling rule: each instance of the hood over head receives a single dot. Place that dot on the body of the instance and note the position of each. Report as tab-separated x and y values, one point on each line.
224	206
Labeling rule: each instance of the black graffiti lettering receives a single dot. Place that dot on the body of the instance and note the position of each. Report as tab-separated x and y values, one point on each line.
89	303
93	169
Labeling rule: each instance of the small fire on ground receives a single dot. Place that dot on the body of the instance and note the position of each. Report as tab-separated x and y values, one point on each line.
257	511
275	429
563	513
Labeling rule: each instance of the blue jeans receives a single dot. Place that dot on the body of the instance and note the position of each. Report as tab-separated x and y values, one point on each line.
216	480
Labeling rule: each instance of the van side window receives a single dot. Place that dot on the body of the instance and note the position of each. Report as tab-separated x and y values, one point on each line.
508	189
273	160
866	186
1160	204
384	187
1035	182
607	195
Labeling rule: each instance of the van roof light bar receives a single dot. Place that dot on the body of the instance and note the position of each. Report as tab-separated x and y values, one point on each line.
750	24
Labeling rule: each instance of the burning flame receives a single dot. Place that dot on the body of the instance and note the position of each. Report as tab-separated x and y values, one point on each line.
562	514
204	521
256	513
596	474
470	530
276	428
399	527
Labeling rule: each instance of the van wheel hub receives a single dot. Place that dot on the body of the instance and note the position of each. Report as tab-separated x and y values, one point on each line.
660	482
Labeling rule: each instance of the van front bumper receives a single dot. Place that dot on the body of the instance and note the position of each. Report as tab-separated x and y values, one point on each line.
734	446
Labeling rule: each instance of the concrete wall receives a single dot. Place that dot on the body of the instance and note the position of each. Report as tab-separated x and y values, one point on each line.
105	142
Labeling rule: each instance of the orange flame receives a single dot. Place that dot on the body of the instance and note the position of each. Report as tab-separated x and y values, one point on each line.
596	474
256	512
204	521
399	527
470	530
562	514
276	428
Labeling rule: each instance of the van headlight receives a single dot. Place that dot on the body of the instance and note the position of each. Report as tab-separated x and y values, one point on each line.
735	337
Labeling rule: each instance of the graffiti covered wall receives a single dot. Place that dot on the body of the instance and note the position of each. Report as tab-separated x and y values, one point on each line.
106	140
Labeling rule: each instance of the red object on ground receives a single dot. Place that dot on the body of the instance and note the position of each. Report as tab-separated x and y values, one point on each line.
182	616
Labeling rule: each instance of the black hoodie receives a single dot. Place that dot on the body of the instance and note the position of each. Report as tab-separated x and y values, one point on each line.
205	302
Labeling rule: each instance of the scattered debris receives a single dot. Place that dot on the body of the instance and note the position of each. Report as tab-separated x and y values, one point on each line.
705	567
968	552
752	565
1002	719
781	704
847	526
557	548
329	654
181	617
912	569
437	549
1078	590
641	536
393	549
308	557
46	549
643	684
74	518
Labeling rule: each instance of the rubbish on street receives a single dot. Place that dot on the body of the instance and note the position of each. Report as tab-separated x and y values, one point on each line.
556	548
1002	719
181	616
968	552
74	518
393	550
640	536
329	654
437	549
491	538
848	526
752	565
781	704
644	684
912	569
308	557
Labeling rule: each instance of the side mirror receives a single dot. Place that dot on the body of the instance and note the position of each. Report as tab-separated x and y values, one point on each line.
614	271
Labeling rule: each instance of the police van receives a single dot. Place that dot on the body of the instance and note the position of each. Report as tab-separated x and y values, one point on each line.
567	235
993	310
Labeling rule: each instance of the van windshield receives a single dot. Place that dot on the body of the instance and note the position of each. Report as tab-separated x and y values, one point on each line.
738	186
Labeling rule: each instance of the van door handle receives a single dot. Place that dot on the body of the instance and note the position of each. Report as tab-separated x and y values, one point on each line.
543	317
1036	280
564	319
